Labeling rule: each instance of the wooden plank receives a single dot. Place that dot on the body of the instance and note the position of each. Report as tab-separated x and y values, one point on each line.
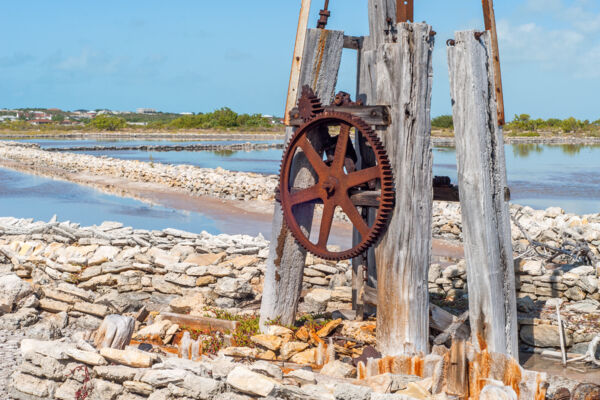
285	263
322	53
352	42
200	323
380	12
404	78
489	17
371	115
457	382
482	185
294	87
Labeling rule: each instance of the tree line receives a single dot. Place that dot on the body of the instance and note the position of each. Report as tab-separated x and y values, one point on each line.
524	123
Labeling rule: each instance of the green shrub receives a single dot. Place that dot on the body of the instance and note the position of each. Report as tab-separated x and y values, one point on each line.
108	123
443	121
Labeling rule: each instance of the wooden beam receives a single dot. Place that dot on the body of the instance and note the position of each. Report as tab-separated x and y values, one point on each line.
293	87
371	115
200	323
352	42
482	185
285	263
404	78
489	17
457	377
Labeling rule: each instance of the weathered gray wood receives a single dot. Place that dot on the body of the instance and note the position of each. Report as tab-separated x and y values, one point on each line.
322	57
371	115
115	332
404	77
352	42
285	264
297	59
482	186
200	323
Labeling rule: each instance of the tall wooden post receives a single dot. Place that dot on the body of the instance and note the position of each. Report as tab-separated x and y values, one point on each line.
395	70
285	265
484	194
404	77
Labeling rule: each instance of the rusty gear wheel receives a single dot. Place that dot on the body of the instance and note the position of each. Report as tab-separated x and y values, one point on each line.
335	185
309	104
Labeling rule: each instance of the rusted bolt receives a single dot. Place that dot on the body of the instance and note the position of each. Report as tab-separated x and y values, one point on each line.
450	42
432	33
478	35
373	113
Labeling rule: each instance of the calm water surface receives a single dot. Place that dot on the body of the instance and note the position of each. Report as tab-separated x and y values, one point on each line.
539	176
29	196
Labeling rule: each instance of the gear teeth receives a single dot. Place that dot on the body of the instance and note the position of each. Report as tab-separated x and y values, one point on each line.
319	116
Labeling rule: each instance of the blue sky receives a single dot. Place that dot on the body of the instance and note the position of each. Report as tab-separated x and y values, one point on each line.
198	55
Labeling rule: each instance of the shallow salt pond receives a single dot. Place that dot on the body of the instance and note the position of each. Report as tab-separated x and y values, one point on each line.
539	175
29	196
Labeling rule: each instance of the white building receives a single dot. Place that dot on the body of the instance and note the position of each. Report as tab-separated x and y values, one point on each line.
145	111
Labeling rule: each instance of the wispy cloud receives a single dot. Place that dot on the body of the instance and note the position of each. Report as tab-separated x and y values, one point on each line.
568	45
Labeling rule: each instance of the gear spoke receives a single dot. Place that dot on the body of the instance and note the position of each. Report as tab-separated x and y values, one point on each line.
337	178
312	156
305	195
362	176
357	220
340	148
326	222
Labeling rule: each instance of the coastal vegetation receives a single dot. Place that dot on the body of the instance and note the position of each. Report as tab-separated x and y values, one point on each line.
524	125
46	121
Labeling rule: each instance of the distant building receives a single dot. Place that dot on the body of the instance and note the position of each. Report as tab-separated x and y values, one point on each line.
8	118
40	121
186	113
145	111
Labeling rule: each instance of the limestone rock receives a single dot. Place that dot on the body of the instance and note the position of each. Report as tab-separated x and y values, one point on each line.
239	352
132	358
289	349
271	342
304	357
338	369
33	386
162	377
104	390
246	381
329	327
116	373
575	293
185	304
316	300
205	259
234	288
302	376
543	336
12	289
138	387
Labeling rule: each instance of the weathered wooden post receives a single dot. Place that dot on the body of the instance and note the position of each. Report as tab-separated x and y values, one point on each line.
484	193
318	68
395	69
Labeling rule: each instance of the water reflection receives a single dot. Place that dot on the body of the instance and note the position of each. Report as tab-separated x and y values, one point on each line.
525	149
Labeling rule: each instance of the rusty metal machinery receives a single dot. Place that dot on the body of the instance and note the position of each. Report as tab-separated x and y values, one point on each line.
339	182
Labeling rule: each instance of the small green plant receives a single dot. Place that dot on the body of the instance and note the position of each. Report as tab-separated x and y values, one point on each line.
108	123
